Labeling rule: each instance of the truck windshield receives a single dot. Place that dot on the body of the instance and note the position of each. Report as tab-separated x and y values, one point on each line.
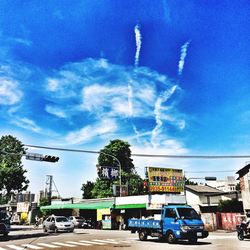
187	213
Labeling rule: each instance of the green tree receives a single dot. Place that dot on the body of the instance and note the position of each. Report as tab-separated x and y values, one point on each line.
87	188
44	202
12	174
230	206
121	151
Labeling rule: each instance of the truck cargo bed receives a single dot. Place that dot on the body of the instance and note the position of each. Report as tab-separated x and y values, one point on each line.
137	223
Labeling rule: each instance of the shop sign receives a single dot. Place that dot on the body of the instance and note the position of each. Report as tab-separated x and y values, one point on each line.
107	173
165	180
155	206
22	207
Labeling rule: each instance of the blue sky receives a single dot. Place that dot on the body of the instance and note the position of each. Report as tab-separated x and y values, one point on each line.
169	77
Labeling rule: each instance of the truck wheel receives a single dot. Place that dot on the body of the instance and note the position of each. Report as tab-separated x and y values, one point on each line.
171	238
192	240
143	235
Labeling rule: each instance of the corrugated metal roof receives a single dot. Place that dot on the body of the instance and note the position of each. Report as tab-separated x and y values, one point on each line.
202	189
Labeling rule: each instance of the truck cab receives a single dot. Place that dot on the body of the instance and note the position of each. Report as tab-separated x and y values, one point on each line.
182	222
178	222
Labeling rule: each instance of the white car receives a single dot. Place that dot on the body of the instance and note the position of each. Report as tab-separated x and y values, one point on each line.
77	220
58	223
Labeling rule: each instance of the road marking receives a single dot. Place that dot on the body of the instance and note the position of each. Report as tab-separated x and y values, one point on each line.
31	246
47	245
107	241
15	247
78	243
64	244
2	248
91	242
222	237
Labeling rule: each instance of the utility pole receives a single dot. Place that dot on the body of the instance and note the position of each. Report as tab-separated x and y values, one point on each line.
48	189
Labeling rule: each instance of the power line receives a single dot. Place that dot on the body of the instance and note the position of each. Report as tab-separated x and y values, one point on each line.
219	171
146	155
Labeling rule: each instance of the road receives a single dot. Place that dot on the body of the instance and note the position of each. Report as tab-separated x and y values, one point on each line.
106	239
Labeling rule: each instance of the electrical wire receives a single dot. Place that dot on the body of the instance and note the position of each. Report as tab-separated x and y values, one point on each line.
145	155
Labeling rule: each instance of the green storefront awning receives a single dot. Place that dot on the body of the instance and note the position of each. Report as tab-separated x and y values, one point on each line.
86	206
130	206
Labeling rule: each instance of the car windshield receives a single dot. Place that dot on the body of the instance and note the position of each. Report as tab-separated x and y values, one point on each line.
79	218
61	219
187	213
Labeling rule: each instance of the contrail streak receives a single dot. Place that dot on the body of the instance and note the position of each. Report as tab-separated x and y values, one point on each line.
138	41
182	58
137	56
157	111
130	98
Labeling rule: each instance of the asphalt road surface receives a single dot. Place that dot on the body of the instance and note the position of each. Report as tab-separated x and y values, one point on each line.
106	239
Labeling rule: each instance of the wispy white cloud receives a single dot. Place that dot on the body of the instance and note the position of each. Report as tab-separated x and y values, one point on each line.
55	111
97	89
27	124
22	41
9	91
166	11
184	48
52	84
168	147
101	128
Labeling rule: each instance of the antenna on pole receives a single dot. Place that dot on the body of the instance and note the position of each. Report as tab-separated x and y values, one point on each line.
48	189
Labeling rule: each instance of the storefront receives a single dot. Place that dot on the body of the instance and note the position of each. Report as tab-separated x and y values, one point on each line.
113	213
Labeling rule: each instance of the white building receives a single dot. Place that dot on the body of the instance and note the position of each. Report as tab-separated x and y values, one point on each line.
227	185
204	198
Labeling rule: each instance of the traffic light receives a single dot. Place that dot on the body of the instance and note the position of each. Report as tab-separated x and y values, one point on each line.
50	158
145	187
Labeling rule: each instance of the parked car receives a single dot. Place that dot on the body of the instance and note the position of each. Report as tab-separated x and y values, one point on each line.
4	224
58	223
77	220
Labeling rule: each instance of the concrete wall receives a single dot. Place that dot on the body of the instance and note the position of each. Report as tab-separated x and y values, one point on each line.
209	220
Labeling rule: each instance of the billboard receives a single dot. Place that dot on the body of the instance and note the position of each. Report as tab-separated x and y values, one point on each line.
165	180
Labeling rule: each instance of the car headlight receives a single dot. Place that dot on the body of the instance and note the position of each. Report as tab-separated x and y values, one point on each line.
201	227
184	228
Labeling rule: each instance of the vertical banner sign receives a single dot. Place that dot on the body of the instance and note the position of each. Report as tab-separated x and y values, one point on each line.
108	173
165	180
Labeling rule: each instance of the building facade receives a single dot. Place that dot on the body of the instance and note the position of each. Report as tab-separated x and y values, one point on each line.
244	177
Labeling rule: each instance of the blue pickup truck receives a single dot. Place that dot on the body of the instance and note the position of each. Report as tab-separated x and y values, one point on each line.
178	222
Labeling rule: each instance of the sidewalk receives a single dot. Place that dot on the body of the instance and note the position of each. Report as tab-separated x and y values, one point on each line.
23	227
